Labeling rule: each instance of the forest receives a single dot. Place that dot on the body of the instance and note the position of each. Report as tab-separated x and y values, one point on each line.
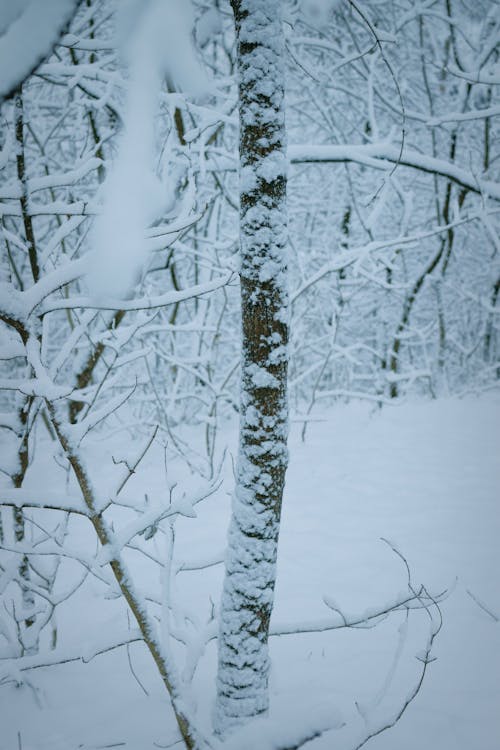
249	293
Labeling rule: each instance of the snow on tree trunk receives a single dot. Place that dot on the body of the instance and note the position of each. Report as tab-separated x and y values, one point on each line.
247	600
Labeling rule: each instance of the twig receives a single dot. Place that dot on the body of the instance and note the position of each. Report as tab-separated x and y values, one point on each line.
132	469
483	606
396	83
130	663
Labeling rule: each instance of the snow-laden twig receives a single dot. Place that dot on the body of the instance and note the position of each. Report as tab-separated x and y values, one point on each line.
30	38
144	303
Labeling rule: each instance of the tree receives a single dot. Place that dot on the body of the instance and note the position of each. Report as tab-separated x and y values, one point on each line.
247	598
371	267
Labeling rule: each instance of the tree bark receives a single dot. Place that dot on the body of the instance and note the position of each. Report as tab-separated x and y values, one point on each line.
248	592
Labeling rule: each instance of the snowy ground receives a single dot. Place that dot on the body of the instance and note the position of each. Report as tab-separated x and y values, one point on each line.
425	476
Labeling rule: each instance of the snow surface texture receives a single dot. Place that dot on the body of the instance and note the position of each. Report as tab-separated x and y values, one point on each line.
424	475
156	41
28	32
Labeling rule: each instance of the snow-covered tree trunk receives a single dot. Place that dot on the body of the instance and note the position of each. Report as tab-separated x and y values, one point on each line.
247	600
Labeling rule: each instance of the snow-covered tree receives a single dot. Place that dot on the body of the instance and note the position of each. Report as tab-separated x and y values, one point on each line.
247	600
145	304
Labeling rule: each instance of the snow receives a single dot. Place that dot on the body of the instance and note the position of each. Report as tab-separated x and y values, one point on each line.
261	377
140	303
318	12
67	178
28	32
133	195
379	155
163	30
424	475
10	12
208	26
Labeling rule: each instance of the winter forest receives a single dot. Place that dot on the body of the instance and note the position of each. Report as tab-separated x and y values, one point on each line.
249	294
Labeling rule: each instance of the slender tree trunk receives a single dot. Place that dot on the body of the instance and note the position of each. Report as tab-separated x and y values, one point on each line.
25	403
247	600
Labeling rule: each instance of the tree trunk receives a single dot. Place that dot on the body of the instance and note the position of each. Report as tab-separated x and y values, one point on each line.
247	600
